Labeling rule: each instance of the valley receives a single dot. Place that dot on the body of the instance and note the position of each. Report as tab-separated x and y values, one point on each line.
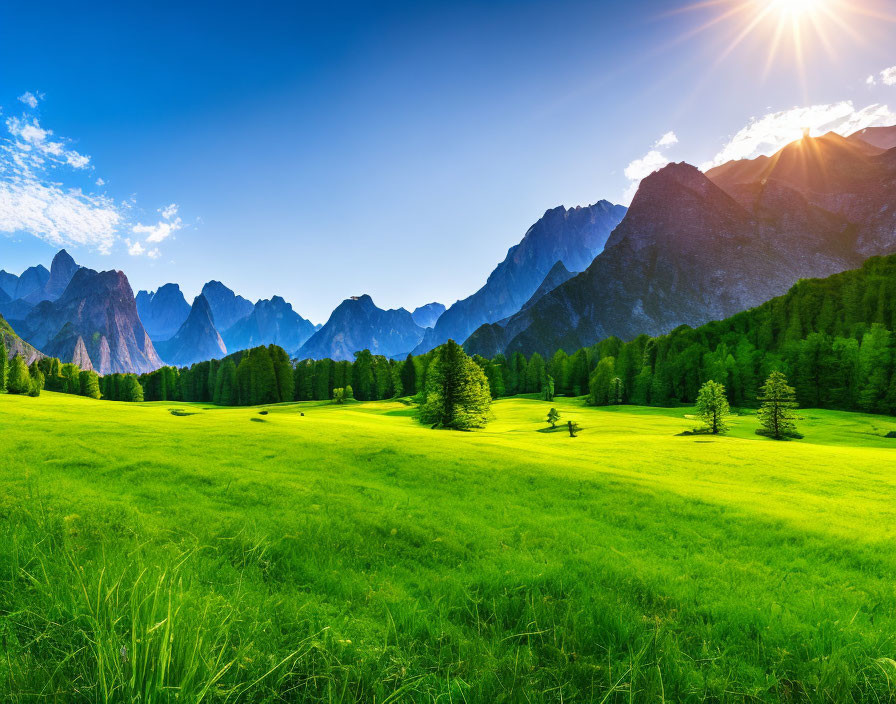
346	553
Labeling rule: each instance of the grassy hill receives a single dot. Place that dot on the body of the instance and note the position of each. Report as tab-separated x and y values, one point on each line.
185	552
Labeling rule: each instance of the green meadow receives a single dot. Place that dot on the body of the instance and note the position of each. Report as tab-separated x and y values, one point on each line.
164	552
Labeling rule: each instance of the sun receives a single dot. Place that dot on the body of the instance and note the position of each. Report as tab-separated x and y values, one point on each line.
797	8
786	34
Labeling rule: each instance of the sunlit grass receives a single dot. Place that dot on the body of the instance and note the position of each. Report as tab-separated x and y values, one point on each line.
352	554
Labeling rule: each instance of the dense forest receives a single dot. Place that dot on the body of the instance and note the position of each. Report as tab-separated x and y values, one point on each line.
833	339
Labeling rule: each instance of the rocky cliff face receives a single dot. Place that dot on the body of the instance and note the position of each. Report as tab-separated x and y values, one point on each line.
162	312
94	323
197	340
572	236
357	324
270	322
225	305
426	315
687	252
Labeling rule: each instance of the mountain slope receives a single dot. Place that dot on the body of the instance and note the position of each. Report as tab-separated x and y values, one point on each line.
163	311
93	323
197	340
573	236
357	324
270	322
844	176
226	306
686	252
15	345
883	137
426	315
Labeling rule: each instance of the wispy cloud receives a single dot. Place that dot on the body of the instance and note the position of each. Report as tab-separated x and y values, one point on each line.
30	99
644	166
163	229
765	135
35	167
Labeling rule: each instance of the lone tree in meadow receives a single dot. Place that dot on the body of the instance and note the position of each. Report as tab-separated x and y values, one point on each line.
776	412
457	393
553	417
712	407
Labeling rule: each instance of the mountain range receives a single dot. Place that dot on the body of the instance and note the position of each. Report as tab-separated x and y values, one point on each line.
358	324
692	247
695	247
572	236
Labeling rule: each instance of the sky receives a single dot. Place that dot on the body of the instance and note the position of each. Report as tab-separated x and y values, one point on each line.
322	150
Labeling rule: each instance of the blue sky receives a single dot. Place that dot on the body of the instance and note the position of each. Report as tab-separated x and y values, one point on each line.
323	150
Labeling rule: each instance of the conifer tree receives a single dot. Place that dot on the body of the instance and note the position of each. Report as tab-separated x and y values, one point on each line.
457	392
18	379
408	376
712	407
776	412
90	384
4	363
615	393
547	390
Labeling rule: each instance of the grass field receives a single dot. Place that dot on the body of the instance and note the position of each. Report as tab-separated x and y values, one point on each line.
352	554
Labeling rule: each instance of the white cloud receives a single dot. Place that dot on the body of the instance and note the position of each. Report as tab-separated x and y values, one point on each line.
34	198
870	81
36	149
164	228
765	135
30	99
56	215
667	140
135	249
652	161
888	76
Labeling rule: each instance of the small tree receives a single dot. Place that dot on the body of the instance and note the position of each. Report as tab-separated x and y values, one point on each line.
547	389
553	417
19	380
573	428
349	393
776	412
457	391
615	395
712	407
339	395
4	362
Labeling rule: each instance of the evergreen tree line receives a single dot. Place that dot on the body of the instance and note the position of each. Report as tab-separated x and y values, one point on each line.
832	338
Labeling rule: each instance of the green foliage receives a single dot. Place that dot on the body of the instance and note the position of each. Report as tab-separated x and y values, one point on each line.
18	378
547	389
4	363
712	407
553	417
339	395
90	384
776	412
457	392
